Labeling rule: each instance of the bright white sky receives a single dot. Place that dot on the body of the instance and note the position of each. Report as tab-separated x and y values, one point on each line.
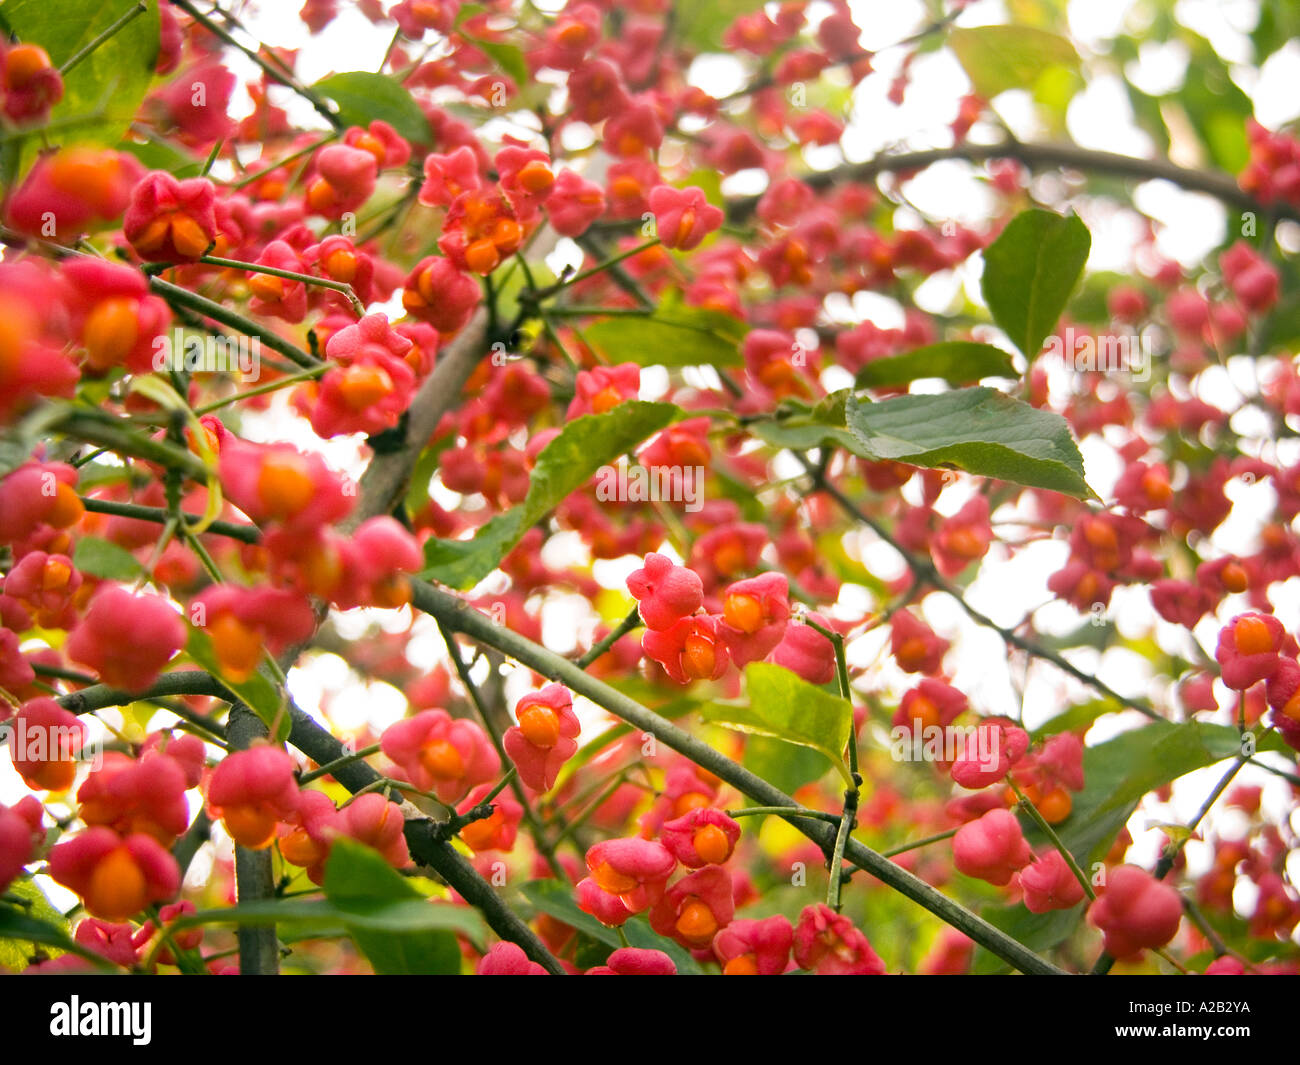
1100	117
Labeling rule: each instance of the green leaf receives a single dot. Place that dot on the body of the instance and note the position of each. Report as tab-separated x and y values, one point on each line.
556	899
783	765
1040	932
363	97
1123	769
506	56
672	335
1029	273
998	58
103	558
1079	716
157	155
564	465
20	931
257	691
785	707
958	362
107	87
978	430
400	931
1215	106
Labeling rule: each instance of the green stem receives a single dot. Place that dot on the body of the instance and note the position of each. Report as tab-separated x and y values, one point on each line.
75	59
784	811
916	843
531	819
290	275
261	390
632	621
248	534
249	179
329	767
1050	833
271	70
183	297
457	615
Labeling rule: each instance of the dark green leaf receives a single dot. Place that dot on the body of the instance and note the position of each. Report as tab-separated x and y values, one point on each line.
1029	273
978	430
19	931
564	465
107	87
400	931
1040	932
671	336
783	765
1121	770
362	97
556	899
958	362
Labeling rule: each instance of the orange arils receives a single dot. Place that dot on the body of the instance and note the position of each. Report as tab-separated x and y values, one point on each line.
1234	577
298	848
696	923
267	287
55	574
443	760
341	265
67	509
481	834
699	658
744	613
1155	483
605	399
368	142
482	256
729	558
249	826
1252	637
685	225
965	543
536	177
540	725
692	800
912	653
23	63
1055	806
925	713
238	647
364	385
320	195
117	887
626	187
111	331
711	844
612	881
741	965
573	34
188	237
284	485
